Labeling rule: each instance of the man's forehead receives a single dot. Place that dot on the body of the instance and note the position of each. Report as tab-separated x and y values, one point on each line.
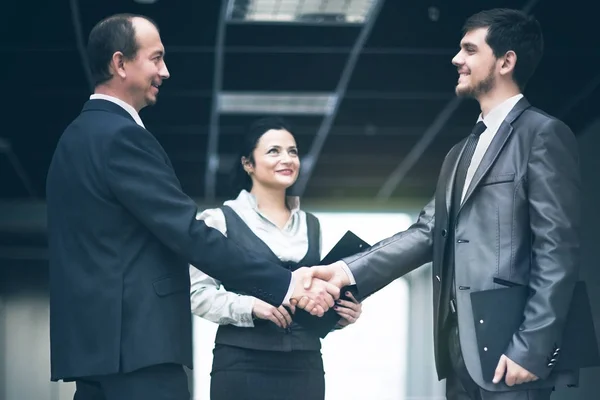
144	29
474	36
148	38
151	46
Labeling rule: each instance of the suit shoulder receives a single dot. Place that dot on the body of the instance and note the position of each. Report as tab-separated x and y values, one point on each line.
119	124
99	125
543	130
126	132
542	118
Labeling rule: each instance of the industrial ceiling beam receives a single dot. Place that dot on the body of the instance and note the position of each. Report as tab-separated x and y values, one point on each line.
212	149
6	149
78	31
310	160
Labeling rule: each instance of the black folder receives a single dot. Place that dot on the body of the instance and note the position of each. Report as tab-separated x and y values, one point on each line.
501	311
348	245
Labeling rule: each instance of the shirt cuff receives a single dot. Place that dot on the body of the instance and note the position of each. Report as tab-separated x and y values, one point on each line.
286	299
245	306
348	272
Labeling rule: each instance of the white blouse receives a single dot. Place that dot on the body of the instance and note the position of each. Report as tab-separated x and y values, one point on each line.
209	299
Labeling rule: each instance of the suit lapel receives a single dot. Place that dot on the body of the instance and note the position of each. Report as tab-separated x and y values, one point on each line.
449	174
496	146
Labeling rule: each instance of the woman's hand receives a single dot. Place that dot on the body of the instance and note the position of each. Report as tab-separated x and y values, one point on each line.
349	310
278	315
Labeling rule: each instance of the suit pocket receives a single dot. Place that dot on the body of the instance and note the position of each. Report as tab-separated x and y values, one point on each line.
170	285
496	179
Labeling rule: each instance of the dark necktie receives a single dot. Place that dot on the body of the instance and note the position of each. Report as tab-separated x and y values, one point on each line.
459	184
463	167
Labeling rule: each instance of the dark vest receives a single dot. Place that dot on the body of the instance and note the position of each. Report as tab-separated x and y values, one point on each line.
266	335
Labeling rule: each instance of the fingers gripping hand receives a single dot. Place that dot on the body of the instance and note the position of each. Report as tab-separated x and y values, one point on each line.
320	295
350	311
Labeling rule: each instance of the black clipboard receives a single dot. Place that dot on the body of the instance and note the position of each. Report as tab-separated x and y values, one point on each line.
501	311
348	245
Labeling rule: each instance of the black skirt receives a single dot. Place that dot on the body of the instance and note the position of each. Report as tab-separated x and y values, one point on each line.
248	374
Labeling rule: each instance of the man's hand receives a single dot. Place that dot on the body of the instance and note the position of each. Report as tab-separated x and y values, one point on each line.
515	374
333	273
278	315
313	295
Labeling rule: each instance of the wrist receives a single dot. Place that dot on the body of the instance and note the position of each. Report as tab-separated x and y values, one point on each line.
344	273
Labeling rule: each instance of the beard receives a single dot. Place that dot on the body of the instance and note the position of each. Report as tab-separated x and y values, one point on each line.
480	88
151	100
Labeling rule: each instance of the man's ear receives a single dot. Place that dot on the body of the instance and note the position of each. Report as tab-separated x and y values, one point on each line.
117	64
508	63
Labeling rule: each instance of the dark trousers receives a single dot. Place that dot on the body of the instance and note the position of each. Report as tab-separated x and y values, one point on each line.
249	374
158	382
460	386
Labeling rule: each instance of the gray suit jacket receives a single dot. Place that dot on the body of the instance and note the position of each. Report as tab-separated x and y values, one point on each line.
519	222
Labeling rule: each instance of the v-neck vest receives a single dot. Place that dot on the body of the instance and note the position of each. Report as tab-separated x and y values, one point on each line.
266	335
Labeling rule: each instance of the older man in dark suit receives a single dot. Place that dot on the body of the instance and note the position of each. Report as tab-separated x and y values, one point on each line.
122	232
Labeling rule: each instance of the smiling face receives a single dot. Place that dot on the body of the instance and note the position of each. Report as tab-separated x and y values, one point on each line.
144	74
275	161
477	66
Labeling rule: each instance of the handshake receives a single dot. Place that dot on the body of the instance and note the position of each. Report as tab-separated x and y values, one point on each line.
316	289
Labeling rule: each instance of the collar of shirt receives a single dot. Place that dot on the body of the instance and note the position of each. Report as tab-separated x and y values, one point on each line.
492	122
119	102
246	202
293	202
495	117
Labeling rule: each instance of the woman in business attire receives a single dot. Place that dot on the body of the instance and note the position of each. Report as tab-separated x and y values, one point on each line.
259	352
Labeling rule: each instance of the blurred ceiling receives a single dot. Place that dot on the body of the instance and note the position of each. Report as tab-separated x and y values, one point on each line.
383	117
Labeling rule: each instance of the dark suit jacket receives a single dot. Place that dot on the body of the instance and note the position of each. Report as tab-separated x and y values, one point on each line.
519	222
121	235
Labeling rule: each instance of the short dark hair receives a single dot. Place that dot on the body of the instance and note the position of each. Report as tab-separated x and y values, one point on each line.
240	178
511	30
112	34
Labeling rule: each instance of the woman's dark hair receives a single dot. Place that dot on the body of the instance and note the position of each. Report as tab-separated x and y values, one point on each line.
112	34
240	178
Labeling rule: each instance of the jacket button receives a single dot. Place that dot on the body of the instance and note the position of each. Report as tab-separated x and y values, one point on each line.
444	233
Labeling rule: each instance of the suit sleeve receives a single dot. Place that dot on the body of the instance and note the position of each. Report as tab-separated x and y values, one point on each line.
143	181
395	256
554	192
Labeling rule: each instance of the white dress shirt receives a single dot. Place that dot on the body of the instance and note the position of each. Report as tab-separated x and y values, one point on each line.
127	107
209	299
492	122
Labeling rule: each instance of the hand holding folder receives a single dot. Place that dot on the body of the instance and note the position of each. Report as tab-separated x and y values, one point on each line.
502	311
348	245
